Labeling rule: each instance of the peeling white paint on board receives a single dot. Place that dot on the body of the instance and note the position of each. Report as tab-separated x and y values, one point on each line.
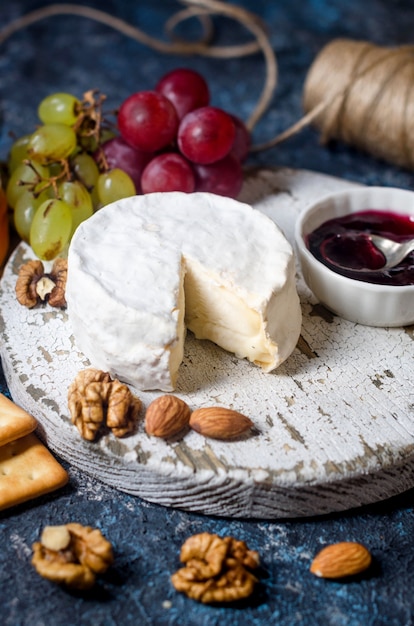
334	425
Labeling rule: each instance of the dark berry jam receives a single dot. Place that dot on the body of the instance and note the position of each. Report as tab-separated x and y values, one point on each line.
344	241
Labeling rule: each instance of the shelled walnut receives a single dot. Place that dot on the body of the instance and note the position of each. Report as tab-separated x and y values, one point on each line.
95	400
72	555
34	285
216	569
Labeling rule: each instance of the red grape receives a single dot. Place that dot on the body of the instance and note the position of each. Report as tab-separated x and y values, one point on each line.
186	89
224	177
120	154
242	140
168	172
206	135
148	120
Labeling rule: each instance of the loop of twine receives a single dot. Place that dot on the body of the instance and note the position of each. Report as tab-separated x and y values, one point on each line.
201	9
355	91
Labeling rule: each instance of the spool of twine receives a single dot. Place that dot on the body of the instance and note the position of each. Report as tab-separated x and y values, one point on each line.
363	95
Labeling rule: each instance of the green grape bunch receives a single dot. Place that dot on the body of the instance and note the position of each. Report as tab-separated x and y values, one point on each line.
161	140
55	181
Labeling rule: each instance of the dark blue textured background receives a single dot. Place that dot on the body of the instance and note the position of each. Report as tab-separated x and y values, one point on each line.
75	54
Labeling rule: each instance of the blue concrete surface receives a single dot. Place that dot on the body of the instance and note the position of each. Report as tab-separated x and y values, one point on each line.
75	54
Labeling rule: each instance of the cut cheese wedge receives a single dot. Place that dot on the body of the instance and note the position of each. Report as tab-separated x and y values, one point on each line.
144	269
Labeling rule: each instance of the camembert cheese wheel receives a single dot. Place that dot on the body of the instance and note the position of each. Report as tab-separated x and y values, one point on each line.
144	269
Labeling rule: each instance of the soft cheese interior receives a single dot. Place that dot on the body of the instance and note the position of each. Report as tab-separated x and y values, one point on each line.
212	311
142	270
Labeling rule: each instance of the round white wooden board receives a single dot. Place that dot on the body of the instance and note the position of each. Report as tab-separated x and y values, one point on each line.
334	423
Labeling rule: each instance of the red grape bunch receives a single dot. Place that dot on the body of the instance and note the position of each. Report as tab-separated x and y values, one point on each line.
181	141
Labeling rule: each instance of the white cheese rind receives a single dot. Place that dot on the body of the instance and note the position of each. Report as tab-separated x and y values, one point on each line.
131	262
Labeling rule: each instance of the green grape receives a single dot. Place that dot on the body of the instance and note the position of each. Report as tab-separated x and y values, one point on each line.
59	108
46	194
25	208
29	174
114	185
85	169
52	142
55	169
18	152
51	229
97	204
78	197
24	211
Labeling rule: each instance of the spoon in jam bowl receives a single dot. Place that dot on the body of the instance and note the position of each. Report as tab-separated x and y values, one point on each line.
394	251
366	252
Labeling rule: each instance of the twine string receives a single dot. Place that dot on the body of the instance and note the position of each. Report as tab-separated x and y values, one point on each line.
185	14
202	9
354	91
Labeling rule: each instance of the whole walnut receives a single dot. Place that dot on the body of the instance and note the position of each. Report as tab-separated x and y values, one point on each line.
216	569
72	555
95	400
34	285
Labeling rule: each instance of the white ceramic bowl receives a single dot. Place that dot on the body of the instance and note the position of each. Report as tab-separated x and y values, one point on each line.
355	300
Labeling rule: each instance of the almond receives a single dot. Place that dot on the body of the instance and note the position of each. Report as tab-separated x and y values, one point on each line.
345	558
219	423
166	416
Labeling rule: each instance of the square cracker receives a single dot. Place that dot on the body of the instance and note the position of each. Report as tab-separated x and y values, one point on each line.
14	421
27	470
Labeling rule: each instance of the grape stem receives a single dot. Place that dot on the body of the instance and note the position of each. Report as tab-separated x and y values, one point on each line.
40	183
89	121
102	160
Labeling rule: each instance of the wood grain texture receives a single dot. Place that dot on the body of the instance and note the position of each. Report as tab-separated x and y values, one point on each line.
334	424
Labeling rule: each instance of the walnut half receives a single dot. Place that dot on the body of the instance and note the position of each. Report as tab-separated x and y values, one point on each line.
96	400
216	569
33	285
72	555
